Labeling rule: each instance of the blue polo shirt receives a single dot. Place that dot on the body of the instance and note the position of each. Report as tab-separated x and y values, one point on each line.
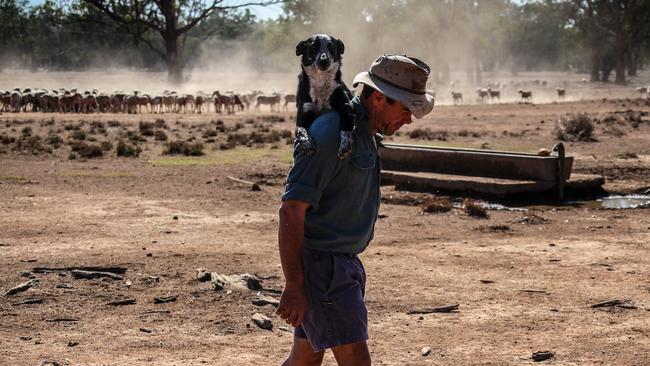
344	194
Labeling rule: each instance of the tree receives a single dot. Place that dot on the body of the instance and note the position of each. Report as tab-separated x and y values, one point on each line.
622	22
169	21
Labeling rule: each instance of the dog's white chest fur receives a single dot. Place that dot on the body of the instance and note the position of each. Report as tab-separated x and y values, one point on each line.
321	85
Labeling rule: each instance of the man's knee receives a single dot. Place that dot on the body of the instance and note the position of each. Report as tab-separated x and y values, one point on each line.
354	354
303	355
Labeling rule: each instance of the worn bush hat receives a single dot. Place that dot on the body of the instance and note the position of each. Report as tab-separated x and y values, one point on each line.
402	78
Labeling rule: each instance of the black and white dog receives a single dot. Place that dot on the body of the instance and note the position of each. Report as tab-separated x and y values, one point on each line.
320	88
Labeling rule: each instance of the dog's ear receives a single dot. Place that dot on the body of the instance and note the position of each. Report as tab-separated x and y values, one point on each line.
340	47
300	48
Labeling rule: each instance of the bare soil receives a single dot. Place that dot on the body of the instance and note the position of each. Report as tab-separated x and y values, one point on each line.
524	280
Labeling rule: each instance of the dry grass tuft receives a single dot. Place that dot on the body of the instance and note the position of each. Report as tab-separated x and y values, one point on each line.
575	127
127	150
474	209
437	205
183	148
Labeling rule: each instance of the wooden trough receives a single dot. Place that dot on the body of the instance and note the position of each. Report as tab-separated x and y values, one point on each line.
428	168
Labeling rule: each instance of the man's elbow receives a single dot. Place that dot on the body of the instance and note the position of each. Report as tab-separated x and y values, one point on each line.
292	211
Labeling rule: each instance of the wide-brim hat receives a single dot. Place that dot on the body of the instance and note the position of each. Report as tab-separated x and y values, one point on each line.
401	78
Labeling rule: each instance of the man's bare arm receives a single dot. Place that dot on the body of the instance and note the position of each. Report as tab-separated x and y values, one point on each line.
293	303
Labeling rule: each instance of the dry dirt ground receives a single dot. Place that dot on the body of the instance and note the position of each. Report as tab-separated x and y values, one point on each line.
524	280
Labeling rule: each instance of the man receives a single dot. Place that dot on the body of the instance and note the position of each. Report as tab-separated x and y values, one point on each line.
328	214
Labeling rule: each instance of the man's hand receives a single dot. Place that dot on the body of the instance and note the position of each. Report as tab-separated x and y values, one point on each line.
293	302
293	305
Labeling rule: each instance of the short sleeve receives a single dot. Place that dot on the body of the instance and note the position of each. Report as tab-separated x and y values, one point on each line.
311	174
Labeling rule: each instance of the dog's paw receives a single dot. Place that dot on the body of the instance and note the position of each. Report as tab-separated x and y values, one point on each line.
304	142
345	147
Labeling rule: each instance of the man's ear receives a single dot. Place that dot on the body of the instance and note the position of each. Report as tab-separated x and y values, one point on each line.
340	47
300	48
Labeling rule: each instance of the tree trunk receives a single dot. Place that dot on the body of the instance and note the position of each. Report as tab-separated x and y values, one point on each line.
633	62
595	67
174	64
171	36
620	57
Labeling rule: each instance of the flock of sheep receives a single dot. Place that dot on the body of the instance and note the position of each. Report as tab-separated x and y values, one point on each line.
73	101
492	93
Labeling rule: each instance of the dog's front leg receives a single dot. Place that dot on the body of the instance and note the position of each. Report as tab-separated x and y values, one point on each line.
340	102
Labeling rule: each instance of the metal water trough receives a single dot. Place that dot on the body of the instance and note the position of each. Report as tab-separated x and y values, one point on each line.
538	172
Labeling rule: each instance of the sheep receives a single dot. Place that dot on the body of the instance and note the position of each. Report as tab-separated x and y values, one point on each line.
117	101
237	101
526	96
225	101
482	93
89	103
104	103
289	98
198	103
271	100
15	100
157	104
561	93
458	97
494	94
5	101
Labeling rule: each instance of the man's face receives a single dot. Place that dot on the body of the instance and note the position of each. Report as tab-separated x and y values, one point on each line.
391	116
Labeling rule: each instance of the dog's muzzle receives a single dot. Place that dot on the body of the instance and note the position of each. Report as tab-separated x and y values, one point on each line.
323	62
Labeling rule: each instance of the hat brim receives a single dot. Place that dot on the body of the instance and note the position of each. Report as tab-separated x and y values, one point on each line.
419	104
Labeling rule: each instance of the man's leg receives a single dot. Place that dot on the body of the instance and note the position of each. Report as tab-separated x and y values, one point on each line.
303	355
353	354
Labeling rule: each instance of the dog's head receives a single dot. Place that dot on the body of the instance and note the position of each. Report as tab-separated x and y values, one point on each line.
321	51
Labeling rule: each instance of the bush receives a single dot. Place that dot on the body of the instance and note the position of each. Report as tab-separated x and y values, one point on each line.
7	139
474	209
133	136
32	144
113	123
87	150
78	135
209	133
54	140
183	148
127	150
437	205
160	123
160	135
428	134
145	128
106	145
575	127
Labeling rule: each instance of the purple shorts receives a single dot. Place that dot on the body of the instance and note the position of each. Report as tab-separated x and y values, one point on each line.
335	286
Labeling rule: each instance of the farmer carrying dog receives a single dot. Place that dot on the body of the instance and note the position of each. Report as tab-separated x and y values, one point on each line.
328	215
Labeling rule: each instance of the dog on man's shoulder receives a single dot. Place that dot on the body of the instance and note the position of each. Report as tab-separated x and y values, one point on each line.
320	89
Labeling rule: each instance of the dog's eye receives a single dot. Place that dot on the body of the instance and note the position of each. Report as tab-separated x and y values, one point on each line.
330	47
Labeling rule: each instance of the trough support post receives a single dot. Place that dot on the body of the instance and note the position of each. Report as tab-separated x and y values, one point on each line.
559	147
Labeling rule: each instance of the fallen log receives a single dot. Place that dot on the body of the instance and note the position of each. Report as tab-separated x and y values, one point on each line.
54	320
534	291
109	269
252	185
28	302
164	299
440	309
625	304
82	274
21	287
122	302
